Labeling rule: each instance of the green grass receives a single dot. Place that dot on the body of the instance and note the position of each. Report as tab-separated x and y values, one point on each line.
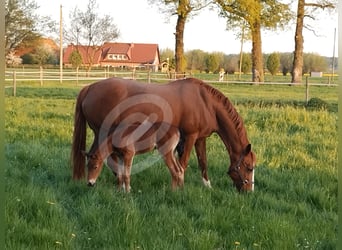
294	205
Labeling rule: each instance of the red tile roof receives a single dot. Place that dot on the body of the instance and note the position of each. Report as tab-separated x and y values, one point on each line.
137	53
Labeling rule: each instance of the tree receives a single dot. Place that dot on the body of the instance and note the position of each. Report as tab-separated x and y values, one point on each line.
27	58
246	65
196	60
12	59
286	60
43	55
22	24
212	62
92	29
254	15
183	9
231	63
297	69
314	62
75	59
273	63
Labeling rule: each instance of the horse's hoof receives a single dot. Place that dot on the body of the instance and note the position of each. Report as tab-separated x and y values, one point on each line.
206	183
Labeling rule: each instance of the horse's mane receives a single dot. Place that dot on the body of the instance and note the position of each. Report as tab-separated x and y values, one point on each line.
232	113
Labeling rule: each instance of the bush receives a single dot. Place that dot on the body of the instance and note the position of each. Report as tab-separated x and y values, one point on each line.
317	103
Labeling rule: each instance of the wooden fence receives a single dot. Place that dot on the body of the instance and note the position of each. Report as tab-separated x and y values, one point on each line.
18	75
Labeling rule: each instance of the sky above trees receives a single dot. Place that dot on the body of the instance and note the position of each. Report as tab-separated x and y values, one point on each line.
206	31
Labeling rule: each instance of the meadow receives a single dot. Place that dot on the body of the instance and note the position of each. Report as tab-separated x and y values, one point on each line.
294	205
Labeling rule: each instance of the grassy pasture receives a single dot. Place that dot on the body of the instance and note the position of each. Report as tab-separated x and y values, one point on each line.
294	205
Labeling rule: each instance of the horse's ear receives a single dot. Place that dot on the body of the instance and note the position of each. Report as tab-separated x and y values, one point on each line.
248	149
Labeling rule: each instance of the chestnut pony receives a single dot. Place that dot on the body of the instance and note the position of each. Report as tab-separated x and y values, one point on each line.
129	140
192	106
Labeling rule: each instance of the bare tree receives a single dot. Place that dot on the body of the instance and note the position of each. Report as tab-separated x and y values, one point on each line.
302	12
92	30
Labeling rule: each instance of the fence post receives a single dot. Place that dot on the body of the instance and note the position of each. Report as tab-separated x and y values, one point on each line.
14	83
307	90
133	73
41	76
149	76
76	75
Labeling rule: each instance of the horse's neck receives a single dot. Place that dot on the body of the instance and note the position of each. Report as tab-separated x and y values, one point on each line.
233	136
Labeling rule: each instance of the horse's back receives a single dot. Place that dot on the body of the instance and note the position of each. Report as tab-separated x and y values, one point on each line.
119	87
182	102
103	96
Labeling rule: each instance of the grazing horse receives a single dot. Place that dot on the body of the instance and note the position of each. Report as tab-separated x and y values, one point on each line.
192	106
138	138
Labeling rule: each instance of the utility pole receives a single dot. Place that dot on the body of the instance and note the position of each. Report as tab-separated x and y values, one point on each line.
241	50
333	59
60	46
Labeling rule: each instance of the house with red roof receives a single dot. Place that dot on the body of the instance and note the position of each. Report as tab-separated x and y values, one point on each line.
123	55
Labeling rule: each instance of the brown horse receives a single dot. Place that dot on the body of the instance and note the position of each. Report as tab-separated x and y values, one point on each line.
195	108
138	138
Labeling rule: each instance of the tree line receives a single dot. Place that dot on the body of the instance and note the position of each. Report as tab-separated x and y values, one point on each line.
246	18
214	62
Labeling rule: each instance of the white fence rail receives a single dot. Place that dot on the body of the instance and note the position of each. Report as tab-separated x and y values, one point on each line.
22	75
42	76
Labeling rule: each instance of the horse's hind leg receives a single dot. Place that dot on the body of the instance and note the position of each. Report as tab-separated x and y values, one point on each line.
176	171
166	147
200	147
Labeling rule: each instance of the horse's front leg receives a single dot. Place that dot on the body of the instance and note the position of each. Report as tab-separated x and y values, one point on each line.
200	147
113	163
189	142
176	170
117	167
127	162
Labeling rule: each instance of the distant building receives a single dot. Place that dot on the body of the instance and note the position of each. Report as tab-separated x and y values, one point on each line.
123	55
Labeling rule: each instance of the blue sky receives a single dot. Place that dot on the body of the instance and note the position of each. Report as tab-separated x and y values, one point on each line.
141	23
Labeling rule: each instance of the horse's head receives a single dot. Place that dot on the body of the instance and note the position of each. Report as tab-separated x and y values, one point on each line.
94	165
242	171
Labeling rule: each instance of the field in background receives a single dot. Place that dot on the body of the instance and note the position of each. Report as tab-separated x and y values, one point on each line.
294	205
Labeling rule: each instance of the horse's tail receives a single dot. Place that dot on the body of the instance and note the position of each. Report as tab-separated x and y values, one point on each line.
79	138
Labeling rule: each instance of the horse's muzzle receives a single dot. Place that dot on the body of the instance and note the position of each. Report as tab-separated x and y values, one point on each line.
91	184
